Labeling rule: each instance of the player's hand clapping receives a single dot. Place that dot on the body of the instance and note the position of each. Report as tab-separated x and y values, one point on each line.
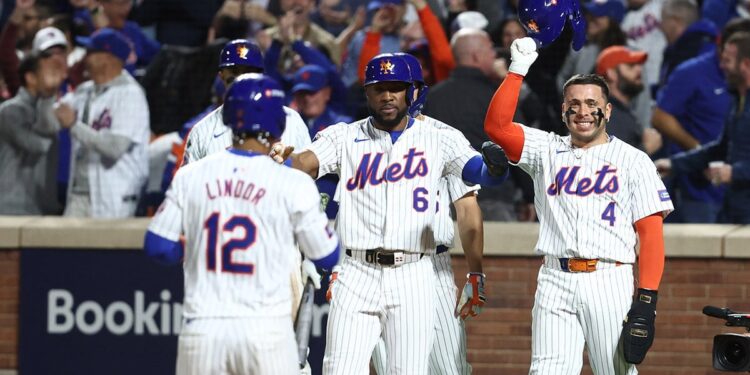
522	54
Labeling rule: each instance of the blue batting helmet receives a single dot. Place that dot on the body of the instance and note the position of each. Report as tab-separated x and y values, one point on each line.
387	67
544	20
255	104
241	52
415	109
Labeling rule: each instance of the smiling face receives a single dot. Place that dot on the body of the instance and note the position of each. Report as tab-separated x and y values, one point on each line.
580	111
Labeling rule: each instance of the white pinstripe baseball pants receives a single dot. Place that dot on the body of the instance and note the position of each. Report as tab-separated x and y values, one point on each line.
448	355
256	346
371	300
573	309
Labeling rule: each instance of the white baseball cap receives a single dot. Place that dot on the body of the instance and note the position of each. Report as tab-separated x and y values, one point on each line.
471	19
48	37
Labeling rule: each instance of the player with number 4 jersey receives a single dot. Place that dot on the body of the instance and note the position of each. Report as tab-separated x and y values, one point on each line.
596	197
241	214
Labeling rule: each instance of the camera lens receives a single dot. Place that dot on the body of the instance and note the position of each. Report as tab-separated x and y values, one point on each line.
734	354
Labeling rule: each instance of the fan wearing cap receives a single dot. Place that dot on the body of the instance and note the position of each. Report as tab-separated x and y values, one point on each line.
26	142
312	94
108	118
622	68
50	42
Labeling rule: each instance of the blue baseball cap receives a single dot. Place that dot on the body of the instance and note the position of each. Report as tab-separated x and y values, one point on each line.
376	4
107	40
309	78
614	9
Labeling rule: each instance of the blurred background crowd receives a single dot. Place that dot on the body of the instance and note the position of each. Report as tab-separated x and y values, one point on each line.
137	74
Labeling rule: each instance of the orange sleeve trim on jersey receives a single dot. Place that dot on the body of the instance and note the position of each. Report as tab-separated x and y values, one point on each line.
440	49
370	49
651	260
498	123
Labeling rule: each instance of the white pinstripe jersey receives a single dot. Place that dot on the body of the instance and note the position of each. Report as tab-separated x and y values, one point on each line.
589	199
210	135
451	189
240	216
388	191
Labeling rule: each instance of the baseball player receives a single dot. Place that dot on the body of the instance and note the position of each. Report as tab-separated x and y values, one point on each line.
448	355
390	166
210	134
596	197
241	213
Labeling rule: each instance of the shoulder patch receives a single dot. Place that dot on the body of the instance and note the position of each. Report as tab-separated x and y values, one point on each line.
664	196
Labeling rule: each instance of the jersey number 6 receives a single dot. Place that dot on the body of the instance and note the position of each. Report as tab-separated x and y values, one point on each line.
227	264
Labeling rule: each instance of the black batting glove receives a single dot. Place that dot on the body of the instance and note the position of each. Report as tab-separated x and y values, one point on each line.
638	328
495	159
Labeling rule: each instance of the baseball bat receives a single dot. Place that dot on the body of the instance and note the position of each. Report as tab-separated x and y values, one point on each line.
304	321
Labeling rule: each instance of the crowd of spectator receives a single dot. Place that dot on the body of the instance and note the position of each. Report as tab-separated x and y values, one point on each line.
83	87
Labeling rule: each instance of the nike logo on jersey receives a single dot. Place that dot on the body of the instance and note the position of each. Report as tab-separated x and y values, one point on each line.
606	182
220	134
368	170
718	90
360	140
561	151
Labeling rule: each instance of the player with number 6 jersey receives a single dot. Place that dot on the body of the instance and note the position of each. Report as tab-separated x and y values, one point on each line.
390	166
596	197
241	213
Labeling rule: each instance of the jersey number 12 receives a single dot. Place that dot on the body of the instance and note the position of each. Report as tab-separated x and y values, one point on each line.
236	244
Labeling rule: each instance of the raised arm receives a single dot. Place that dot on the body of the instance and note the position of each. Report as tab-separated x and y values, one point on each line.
498	123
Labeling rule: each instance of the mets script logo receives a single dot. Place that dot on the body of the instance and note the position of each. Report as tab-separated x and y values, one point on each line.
104	121
605	182
386	67
242	51
369	172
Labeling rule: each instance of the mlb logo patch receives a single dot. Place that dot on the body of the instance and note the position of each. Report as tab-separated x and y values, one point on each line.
664	196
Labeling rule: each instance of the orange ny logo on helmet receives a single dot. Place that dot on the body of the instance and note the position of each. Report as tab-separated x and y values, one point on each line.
242	51
533	26
386	67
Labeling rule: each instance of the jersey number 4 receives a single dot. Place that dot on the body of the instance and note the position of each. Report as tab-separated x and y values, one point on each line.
609	214
235	244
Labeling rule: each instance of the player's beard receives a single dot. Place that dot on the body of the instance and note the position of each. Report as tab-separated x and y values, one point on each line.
386	123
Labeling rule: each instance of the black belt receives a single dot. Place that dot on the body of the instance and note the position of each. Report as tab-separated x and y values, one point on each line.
383	257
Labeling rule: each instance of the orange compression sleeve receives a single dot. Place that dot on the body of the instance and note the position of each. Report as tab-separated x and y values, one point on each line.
370	49
651	261
498	123
440	49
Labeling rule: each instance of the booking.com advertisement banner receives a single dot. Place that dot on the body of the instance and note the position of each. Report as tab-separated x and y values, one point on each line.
108	312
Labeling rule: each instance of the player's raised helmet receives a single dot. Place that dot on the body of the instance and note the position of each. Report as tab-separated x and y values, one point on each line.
241	52
544	20
387	67
415	109
254	104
